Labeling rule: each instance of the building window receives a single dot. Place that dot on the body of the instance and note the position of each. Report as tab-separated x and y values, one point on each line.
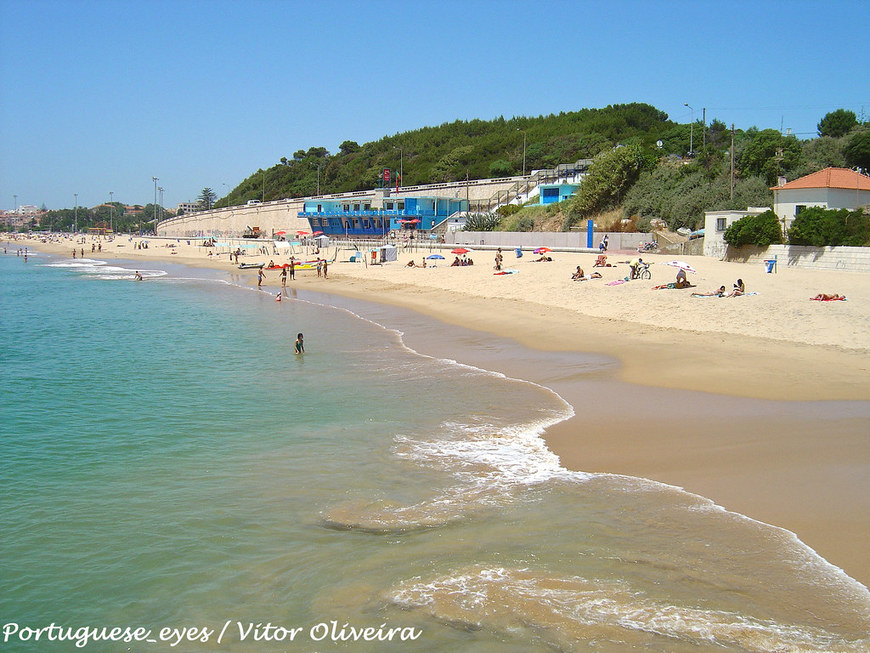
401	206
721	224
356	207
367	207
389	206
346	207
320	208
798	209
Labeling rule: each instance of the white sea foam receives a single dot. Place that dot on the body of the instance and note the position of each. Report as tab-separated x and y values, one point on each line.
569	609
97	269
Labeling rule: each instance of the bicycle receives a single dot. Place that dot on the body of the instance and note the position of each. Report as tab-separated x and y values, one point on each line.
643	272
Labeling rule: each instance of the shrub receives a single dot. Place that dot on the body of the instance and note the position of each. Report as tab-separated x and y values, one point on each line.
481	222
762	230
821	227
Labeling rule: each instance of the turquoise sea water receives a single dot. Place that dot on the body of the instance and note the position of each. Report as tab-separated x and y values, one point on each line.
168	462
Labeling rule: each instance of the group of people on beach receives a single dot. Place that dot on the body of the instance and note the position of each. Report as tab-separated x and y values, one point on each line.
739	288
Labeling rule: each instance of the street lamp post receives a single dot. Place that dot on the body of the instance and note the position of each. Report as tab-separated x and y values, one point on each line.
524	149
154	210
691	131
161	202
76	214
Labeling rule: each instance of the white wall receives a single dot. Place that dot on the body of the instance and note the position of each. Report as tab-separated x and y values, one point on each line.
854	259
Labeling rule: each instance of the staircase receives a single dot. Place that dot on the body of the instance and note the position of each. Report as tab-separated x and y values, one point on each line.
524	186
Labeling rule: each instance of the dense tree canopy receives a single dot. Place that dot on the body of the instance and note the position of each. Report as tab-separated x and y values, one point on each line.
837	123
857	150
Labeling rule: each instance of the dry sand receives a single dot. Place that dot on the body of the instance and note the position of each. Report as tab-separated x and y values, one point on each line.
750	401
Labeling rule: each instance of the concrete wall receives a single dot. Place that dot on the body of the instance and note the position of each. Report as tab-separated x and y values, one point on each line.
854	259
281	215
552	239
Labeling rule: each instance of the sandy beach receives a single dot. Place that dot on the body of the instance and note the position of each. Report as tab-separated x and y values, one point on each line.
747	400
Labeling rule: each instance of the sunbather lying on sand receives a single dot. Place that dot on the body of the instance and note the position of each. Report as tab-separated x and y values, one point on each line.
822	297
714	293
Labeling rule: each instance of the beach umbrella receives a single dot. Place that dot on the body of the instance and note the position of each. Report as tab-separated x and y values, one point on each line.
317	233
435	256
460	250
301	233
682	265
280	233
543	250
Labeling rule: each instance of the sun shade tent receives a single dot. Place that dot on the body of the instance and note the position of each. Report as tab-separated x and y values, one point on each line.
388	253
321	241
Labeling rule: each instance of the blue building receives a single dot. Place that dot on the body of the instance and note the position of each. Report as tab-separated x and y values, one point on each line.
360	217
551	193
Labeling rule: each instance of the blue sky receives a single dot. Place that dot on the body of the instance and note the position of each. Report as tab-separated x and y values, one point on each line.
101	96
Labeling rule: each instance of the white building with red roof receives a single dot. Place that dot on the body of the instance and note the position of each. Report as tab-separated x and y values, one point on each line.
831	188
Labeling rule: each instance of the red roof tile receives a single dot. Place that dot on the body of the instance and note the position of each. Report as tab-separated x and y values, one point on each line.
829	178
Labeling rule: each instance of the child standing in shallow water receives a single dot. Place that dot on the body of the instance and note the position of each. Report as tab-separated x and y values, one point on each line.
300	346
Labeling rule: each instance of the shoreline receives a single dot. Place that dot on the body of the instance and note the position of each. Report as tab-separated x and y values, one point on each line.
735	419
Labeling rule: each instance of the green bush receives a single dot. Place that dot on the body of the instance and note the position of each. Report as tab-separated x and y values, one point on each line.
762	230
821	227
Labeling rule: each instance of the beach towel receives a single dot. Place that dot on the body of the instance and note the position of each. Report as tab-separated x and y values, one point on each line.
506	272
617	282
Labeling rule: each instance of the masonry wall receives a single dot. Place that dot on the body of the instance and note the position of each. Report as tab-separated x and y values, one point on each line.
854	259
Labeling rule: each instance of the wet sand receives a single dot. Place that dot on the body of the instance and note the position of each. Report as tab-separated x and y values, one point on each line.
776	428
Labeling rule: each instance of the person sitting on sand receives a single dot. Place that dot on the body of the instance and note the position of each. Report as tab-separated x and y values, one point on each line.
271	264
456	262
682	282
739	289
411	264
601	261
579	275
714	293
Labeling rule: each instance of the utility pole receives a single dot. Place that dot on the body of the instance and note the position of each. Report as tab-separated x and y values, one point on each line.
154	210
732	160
704	119
111	211
76	214
691	131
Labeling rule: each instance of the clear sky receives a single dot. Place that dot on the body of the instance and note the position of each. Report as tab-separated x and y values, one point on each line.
99	96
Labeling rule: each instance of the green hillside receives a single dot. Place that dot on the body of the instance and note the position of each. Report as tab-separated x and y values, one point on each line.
650	177
477	148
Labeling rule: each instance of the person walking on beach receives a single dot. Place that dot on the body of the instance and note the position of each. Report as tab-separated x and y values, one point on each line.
325	269
260	276
292	268
319	268
284	277
299	345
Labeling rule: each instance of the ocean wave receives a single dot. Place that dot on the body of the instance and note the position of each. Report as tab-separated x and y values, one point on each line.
97	269
564	611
